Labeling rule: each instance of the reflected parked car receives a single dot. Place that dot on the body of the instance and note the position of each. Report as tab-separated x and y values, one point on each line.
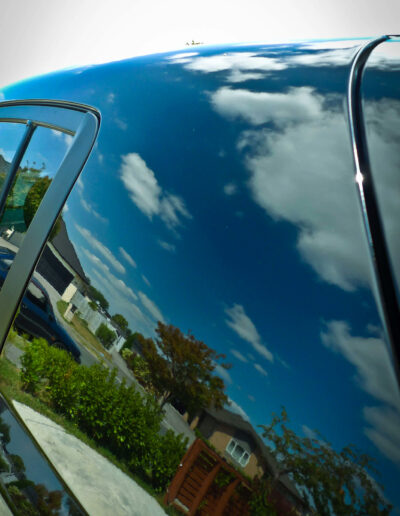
36	315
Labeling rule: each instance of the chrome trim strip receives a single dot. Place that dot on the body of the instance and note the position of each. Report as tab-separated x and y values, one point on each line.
46	215
369	205
8	181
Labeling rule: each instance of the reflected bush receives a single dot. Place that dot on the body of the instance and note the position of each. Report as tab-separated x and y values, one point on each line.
115	415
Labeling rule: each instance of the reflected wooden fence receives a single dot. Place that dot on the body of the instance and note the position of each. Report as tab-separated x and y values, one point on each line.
206	485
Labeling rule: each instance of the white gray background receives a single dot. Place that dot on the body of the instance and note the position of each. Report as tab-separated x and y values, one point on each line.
38	36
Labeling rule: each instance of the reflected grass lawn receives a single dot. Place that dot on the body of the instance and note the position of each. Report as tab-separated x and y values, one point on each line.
87	337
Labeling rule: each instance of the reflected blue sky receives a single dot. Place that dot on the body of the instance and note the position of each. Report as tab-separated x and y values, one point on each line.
220	198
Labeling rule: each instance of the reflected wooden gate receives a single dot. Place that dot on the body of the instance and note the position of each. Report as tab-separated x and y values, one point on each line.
206	485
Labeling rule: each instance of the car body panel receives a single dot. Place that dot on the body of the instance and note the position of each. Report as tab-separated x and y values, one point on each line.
220	197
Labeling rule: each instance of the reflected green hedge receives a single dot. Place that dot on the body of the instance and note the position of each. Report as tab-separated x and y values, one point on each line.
114	415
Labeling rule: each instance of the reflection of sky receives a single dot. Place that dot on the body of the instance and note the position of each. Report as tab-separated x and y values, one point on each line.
219	198
54	142
10	136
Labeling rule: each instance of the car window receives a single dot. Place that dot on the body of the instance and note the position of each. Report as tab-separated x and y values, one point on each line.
30	484
10	137
36	295
34	176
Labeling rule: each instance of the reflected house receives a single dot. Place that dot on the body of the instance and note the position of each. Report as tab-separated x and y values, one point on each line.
236	441
61	267
94	318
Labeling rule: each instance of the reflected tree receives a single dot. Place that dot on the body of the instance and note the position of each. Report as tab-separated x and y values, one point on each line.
183	368
33	200
120	321
98	297
331	482
105	335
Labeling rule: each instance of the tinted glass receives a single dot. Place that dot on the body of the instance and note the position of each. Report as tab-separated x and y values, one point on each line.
10	136
35	173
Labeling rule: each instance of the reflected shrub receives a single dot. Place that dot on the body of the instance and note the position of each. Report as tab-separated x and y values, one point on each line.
115	415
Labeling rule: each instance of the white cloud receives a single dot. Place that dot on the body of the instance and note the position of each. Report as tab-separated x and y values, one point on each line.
146	193
237	409
111	98
260	369
238	76
242	325
102	249
385	57
7	155
68	139
238	355
89	208
317	193
230	189
127	257
235	62
374	374
370	358
182	57
311	434
302	172
121	124
384	430
257	108
146	280
332	57
79	184
282	362
243	66
224	374
2	95
141	183
167	246
62	136
111	282
57	134
85	204
151	307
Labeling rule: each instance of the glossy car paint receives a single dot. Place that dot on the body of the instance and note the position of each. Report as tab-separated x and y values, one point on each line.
220	197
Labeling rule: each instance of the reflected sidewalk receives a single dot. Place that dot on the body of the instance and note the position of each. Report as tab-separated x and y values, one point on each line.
100	486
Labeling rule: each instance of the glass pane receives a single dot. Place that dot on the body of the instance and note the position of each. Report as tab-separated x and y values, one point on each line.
10	137
244	459
237	452
231	447
39	164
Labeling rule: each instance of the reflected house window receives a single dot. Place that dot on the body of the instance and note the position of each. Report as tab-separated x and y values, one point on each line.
237	452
